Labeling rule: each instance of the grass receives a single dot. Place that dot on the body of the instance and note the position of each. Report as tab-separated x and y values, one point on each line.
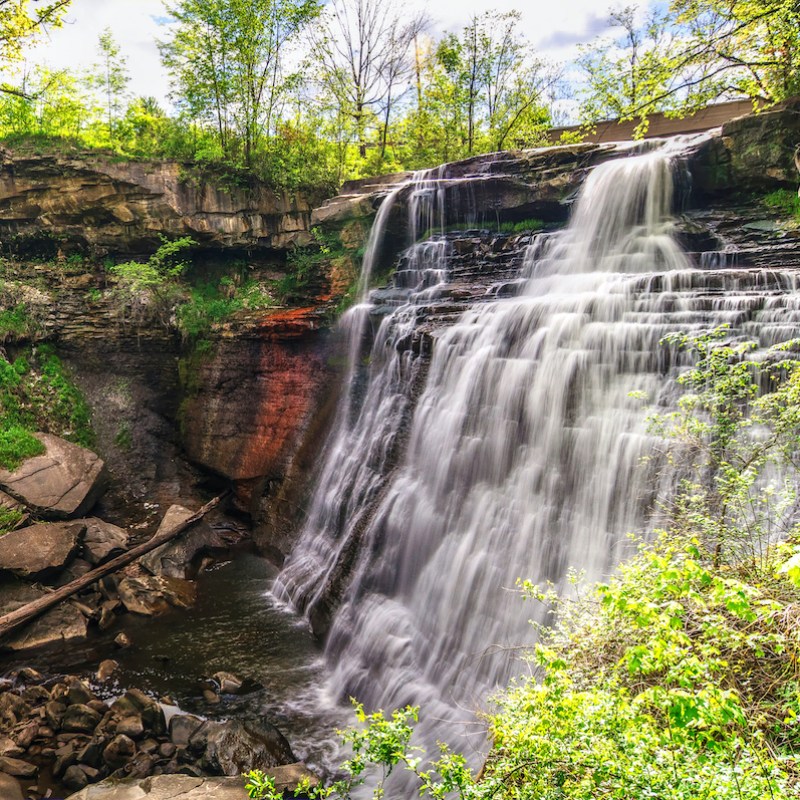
10	518
785	201
37	394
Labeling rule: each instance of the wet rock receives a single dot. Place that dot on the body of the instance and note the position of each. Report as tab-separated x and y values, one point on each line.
74	778
122	640
40	550
174	559
76	568
103	540
227	682
13	709
136	702
63	483
54	713
181	729
91	754
10	748
35	695
106	669
166	750
131	726
154	594
17	768
78	692
24	736
234	747
119	751
174	787
10	788
79	718
212	698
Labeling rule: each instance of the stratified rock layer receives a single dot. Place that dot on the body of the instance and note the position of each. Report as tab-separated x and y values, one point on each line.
121	207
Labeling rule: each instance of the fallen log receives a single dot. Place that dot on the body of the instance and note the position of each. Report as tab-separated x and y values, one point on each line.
12	620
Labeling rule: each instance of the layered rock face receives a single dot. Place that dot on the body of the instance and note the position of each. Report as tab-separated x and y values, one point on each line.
93	202
249	402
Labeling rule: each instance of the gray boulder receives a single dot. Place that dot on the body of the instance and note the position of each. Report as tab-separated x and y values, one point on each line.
61	624
40	550
63	483
233	747
102	540
174	559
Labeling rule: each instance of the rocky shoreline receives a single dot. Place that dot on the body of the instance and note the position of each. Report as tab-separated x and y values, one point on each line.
62	733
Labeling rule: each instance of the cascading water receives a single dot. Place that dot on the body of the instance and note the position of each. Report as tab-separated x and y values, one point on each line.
521	457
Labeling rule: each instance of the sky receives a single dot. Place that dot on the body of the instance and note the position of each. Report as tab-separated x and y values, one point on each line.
553	27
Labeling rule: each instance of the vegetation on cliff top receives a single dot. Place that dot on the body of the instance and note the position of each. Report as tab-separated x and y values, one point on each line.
306	95
676	679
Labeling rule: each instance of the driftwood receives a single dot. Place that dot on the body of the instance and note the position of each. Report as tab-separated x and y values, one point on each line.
11	621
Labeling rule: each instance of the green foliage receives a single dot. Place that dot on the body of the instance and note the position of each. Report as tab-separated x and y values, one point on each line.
36	394
165	265
16	445
209	304
304	265
784	201
523	226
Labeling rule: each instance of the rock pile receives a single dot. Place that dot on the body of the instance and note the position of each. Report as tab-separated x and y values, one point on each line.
61	485
62	731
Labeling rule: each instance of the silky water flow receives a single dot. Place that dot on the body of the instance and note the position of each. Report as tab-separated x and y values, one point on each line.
518	455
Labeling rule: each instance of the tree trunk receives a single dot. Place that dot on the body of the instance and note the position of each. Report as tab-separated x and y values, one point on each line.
12	620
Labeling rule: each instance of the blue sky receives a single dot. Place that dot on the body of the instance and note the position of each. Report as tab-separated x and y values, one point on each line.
554	27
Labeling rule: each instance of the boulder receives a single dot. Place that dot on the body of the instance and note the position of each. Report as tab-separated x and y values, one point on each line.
103	541
17	768
63	483
10	788
60	624
79	718
40	550
233	747
174	559
154	594
160	787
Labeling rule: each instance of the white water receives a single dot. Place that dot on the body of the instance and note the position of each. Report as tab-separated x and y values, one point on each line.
522	456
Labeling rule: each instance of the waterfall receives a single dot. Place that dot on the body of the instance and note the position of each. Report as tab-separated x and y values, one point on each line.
522	454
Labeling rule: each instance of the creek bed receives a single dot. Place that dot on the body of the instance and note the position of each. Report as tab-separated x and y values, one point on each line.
236	626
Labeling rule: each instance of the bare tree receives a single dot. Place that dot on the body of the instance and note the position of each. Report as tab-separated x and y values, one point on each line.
364	52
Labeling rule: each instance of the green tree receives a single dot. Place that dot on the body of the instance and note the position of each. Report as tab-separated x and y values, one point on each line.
110	78
20	23
626	74
227	63
363	48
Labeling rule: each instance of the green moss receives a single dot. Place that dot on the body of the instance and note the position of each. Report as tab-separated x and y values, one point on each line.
15	323
16	445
